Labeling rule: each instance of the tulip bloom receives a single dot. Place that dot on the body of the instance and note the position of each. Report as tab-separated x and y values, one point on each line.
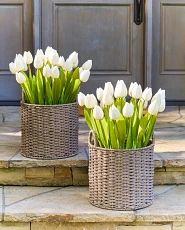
38	63
55	72
147	94
81	99
137	92
128	110
20	78
90	101
19	63
132	85
47	71
120	89
153	108
54	58
98	113
114	113
87	65
107	98
109	87
28	58
68	65
12	68
61	61
84	75
99	93
74	59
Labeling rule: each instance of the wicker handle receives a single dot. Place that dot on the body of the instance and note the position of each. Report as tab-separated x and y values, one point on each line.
92	138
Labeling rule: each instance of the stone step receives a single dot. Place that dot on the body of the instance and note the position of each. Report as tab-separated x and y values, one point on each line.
17	170
47	208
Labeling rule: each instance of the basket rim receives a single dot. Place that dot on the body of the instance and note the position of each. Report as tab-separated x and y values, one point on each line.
38	105
151	144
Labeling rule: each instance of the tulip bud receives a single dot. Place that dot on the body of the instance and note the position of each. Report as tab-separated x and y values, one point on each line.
162	93
132	85
54	58
68	65
128	110
114	113
40	54
90	101
12	68
28	58
99	93
38	63
87	65
162	106
147	94
61	61
20	78
47	71
81	99
120	89
19	63
153	108
137	92
98	113
84	75
73	57
109	87
55	72
48	51
107	98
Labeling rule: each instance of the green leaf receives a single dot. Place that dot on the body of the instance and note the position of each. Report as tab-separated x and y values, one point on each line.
113	136
150	129
87	114
76	74
122	131
129	138
39	82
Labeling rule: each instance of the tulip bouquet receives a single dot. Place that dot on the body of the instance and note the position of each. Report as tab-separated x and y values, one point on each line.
117	123
55	80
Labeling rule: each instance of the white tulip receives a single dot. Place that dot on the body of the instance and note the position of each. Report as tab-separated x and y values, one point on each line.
153	108
137	92
28	58
99	93
38	63
40	54
107	98
54	58
162	93
20	78
68	65
12	68
109	87
87	65
128	110
98	113
47	71
81	99
61	61
48	51
162	106
73	57
80	69
55	72
84	75
132	85
75	64
90	101
114	113
19	63
145	105
120	89
25	67
147	94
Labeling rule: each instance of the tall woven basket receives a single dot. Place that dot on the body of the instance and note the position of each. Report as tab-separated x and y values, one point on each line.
49	131
120	179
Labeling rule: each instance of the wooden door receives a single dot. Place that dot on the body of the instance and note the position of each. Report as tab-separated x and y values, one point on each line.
16	36
103	31
168	65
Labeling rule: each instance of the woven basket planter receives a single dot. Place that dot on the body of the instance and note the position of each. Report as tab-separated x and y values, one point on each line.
120	179
49	131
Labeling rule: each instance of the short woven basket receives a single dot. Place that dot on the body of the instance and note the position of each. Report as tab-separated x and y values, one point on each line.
120	179
49	131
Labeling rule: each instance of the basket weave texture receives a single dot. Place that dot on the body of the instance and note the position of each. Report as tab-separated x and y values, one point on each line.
49	131
120	179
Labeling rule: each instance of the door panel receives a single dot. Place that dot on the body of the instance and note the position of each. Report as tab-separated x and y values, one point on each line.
168	69
103	31
15	37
